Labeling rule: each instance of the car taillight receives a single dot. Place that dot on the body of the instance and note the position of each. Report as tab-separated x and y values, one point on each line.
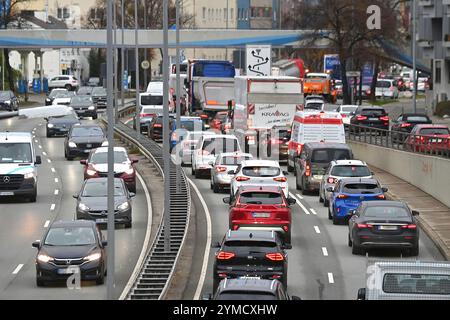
360	118
220	169
235	227
157	125
204	116
275	256
308	170
381	196
404	125
286	228
409	226
240	178
364	225
223	255
280	179
222	275
342	196
384	118
331	180
299	149
367	92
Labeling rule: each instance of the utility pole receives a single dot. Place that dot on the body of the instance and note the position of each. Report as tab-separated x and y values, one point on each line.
414	55
110	114
136	61
145	49
116	105
177	22
122	56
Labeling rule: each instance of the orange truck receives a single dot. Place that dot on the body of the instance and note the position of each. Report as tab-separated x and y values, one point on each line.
319	84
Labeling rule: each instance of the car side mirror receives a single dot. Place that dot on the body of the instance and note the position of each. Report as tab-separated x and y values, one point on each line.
104	243
207	296
297	298
330	189
36	244
415	213
232	172
216	245
83	162
132	194
286	246
38	160
361	294
384	189
75	196
227	200
291	201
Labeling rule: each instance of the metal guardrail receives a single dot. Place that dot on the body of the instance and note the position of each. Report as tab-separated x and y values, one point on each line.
158	267
421	144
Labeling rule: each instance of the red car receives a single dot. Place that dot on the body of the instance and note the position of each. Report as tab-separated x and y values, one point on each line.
96	166
429	138
218	119
261	208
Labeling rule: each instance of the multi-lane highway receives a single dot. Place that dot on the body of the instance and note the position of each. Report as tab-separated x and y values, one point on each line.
23	222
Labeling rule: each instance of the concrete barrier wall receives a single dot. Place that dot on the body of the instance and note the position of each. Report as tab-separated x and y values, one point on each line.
430	174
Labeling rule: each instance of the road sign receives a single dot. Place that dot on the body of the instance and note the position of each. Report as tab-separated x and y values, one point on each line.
259	60
353	73
145	64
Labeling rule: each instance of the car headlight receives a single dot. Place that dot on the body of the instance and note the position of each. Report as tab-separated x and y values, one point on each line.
44	258
124	206
129	171
50	125
91	172
29	175
8	101
91	108
48	99
83	207
72	144
104	143
93	257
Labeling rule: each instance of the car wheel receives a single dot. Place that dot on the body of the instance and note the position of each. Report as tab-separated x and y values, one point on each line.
68	87
297	186
197	175
40	283
33	197
326	202
304	192
288	237
320	197
329	214
101	279
350	243
133	188
48	135
95	118
193	170
216	188
414	251
357	250
128	225
215	284
285	283
289	168
335	220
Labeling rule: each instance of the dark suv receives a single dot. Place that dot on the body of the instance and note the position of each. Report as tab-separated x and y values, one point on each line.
404	124
373	117
313	161
251	253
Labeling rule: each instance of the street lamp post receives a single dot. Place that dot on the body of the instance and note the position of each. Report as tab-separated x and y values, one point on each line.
177	22
414	55
136	60
122	54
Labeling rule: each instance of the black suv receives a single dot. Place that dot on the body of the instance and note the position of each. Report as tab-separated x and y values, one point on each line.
404	124
313	161
369	116
82	138
251	289
251	253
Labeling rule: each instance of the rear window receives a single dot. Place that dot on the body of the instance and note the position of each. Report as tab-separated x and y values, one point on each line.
386	212
417	118
350	171
258	171
220	145
243	243
416	283
191	125
314	106
434	131
261	198
230	160
327	155
361	188
383	84
152	100
377	112
246	295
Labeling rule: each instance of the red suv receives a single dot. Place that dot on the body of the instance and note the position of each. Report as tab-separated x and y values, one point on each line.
261	208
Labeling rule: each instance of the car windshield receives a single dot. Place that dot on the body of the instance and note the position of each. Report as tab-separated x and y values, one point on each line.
4	95
81	99
261	198
361	188
195	136
84	91
314	106
221	116
99	91
100	189
373	112
327	155
66	94
191	125
86	131
246	295
350	171
220	145
54	93
434	131
233	160
70	236
386	212
15	153
256	243
150	100
416	283
102	157
417	119
348	109
261	171
329	107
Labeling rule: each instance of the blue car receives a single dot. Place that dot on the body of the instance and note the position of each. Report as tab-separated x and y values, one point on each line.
348	193
186	124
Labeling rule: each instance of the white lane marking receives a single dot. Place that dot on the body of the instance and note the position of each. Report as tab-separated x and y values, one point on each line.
47	223
40	147
34	136
36	141
34	129
300	204
52	207
56	192
53	170
313	211
140	261
56	180
325	251
316	228
300	196
49	161
208	242
330	277
40	124
44	153
17	269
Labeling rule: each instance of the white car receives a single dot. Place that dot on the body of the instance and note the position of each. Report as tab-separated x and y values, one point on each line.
225	162
64	81
314	105
188	143
386	88
155	87
208	146
346	111
259	173
63	98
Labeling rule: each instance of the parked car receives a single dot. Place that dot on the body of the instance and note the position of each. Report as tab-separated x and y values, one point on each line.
386	88
9	101
96	166
68	244
82	138
428	138
60	126
224	163
64	81
98	95
260	173
340	169
51	96
250	253
63	98
383	224
348	193
404	124
369	116
346	111
92	202
261	208
84	106
314	158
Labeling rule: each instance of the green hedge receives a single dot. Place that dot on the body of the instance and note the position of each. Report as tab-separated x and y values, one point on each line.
443	108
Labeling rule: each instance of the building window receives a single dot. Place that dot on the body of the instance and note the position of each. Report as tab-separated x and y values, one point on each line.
66	13
204	13
232	13
59	13
438	71
225	14
261	12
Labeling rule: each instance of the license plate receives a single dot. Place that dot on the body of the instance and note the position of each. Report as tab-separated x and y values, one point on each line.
261	215
65	271
101	220
387	228
89	145
373	119
318	176
87	151
252	278
6	193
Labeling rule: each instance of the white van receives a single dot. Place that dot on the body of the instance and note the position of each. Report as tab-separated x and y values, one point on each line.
18	174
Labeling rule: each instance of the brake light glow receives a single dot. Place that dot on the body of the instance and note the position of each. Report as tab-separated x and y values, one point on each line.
286	228
280	179
157	125
275	256
240	178
222	275
342	196
364	225
384	118
220	169
381	196
204	116
360	118
409	226
308	170
235	227
223	255
404	125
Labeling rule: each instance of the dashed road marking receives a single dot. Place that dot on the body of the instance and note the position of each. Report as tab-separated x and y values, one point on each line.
316	228
300	204
36	141
313	211
56	192
56	180
49	161
53	170
330	277
40	147
44	153
325	251
47	223
52	207
17	269
300	196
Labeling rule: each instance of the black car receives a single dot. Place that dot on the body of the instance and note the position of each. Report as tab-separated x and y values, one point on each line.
313	161
155	127
84	106
250	289
84	91
8	101
51	96
98	95
369	116
60	126
92	201
67	246
404	124
82	138
383	224
251	253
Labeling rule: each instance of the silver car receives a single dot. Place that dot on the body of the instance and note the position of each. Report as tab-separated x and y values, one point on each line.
339	169
188	144
225	162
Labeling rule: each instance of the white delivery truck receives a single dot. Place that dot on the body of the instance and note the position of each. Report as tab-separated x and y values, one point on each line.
263	103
